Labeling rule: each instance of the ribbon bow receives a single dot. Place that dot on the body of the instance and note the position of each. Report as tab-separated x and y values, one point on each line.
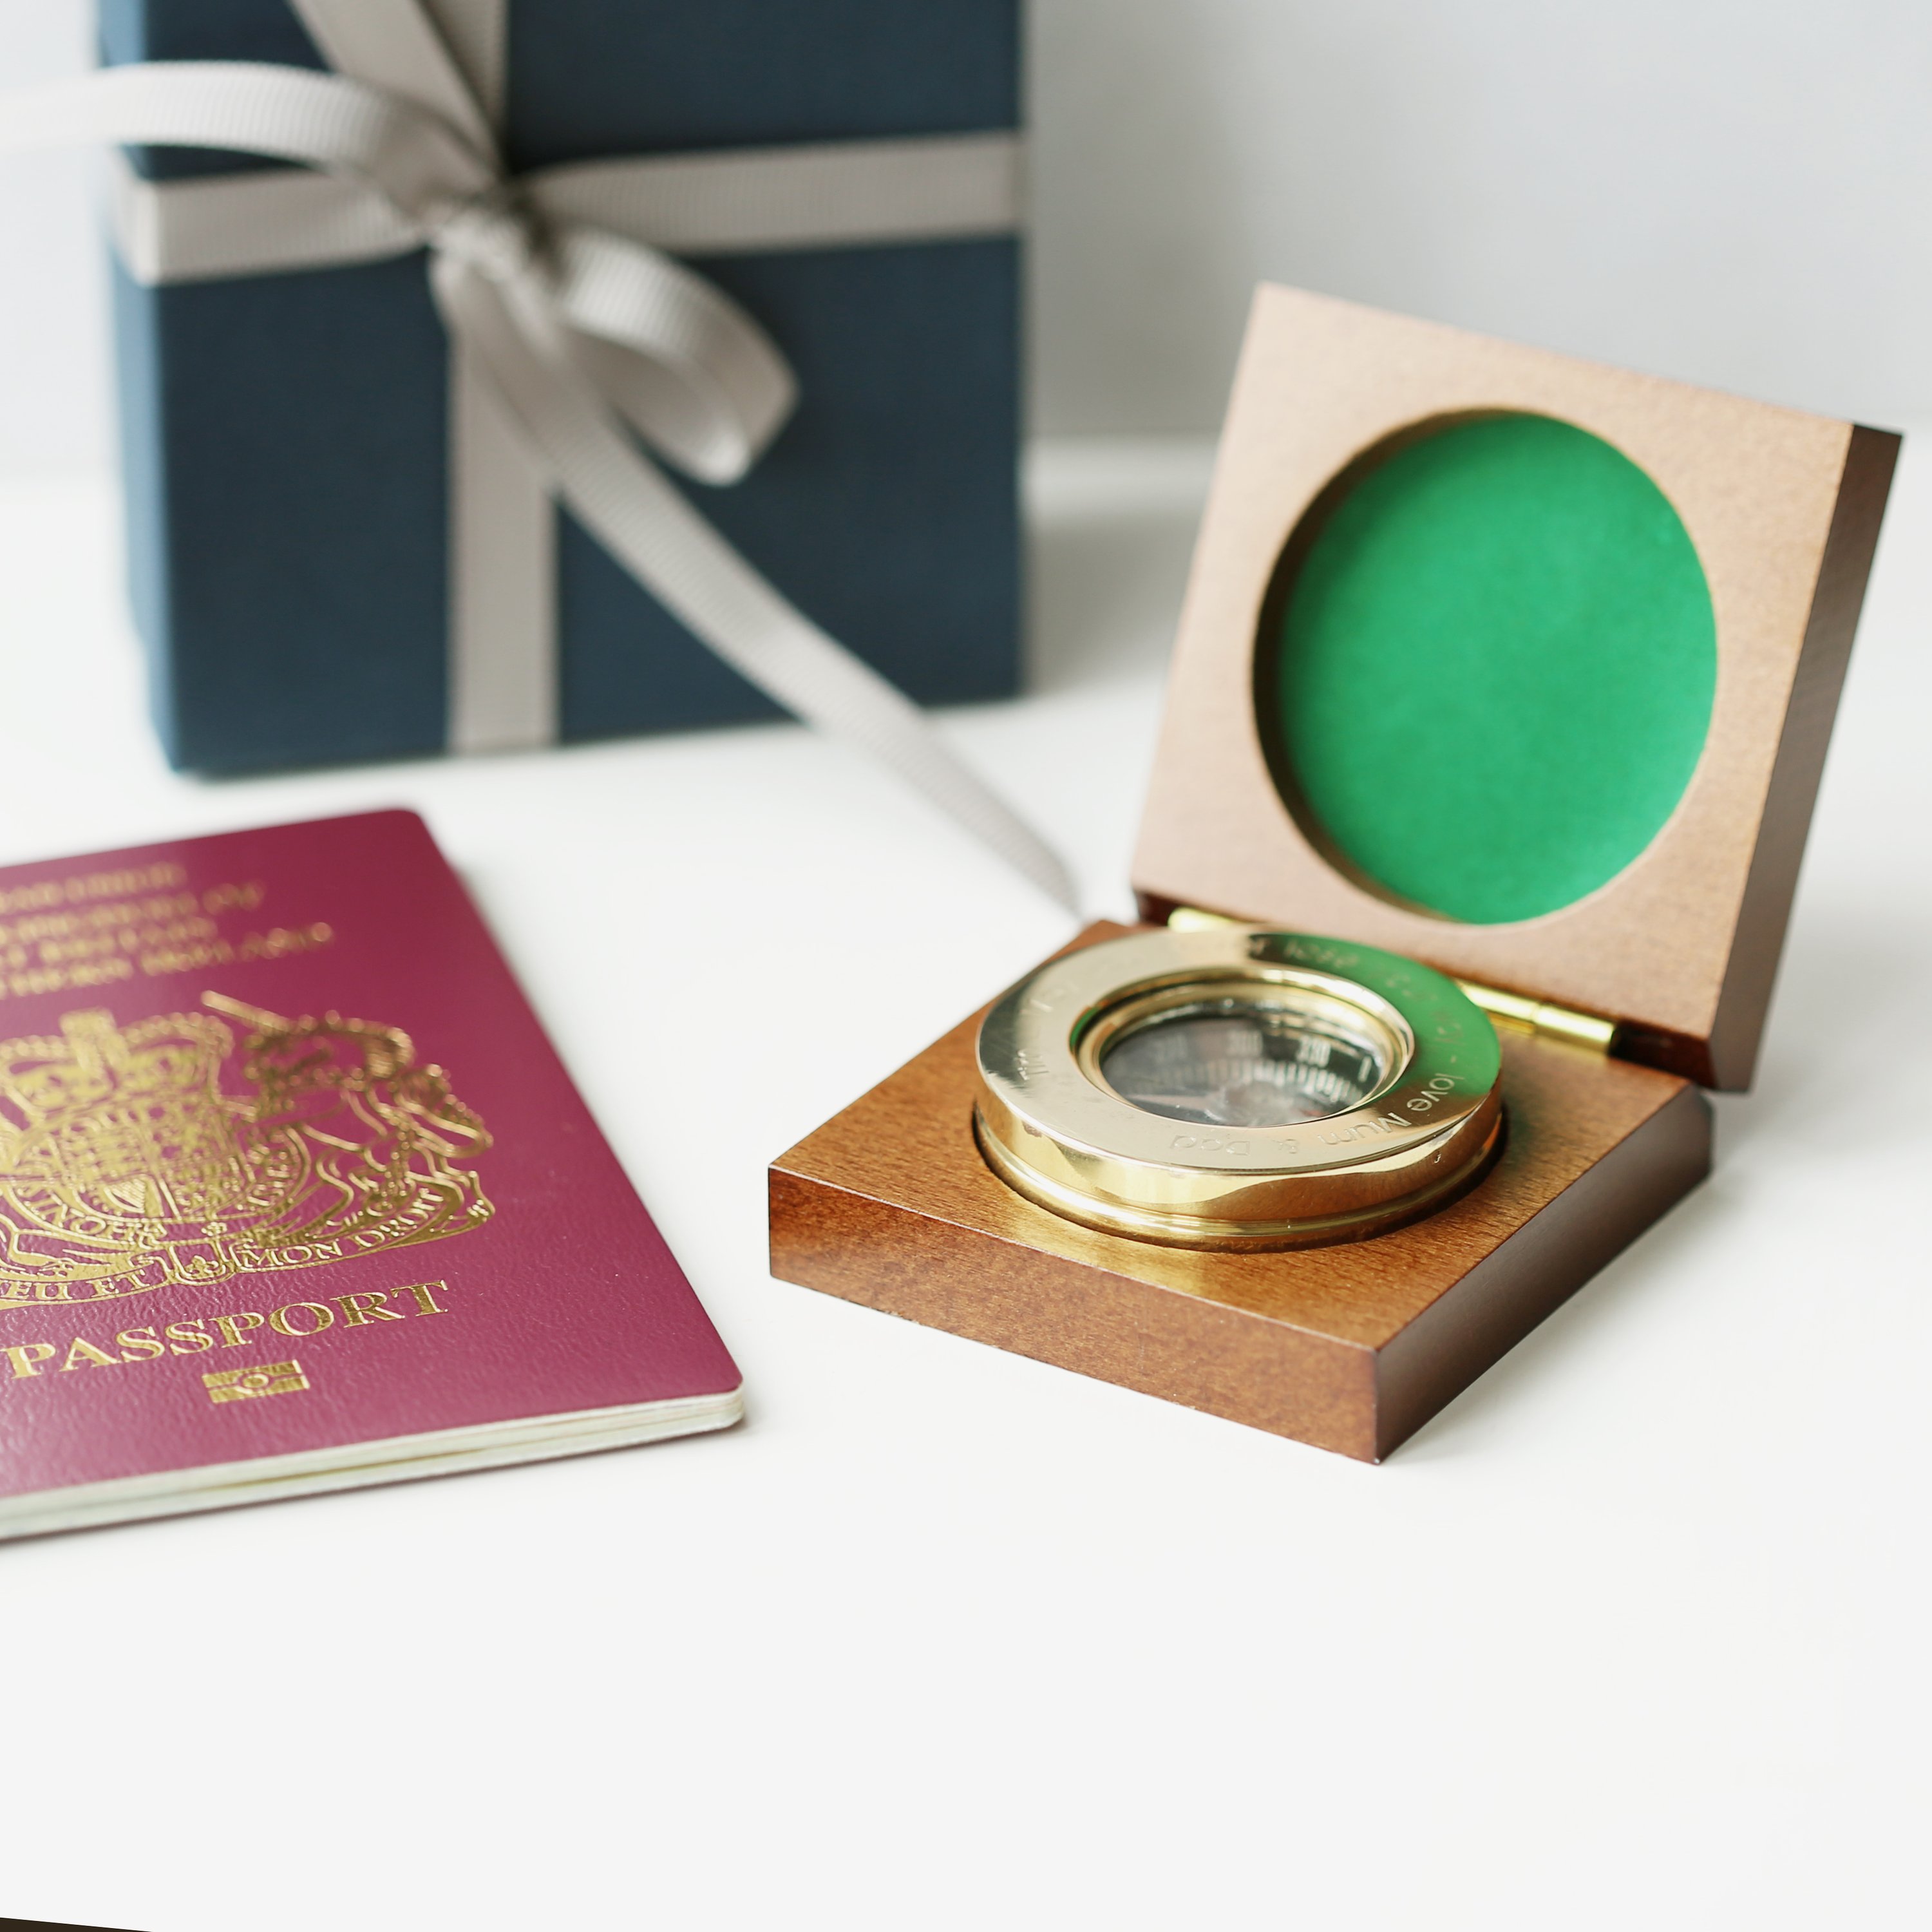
584	334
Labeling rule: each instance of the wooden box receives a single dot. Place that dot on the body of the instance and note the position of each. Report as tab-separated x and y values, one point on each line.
1537	689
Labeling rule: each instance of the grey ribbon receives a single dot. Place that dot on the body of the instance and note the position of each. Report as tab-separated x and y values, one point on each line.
579	333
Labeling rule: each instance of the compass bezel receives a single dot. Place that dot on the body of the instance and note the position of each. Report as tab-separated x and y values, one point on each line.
1052	1127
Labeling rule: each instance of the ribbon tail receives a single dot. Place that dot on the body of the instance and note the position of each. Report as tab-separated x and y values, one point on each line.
644	521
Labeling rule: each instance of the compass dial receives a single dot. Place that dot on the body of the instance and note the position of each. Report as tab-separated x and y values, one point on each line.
1232	1063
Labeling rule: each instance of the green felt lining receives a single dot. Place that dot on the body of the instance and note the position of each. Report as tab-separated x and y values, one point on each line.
1490	670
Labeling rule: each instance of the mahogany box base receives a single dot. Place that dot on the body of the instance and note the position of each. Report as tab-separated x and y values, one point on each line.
1351	1348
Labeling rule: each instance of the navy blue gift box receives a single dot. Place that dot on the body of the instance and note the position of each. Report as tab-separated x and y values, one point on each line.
286	435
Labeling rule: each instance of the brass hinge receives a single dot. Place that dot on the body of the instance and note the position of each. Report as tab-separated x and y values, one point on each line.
1192	919
1540	1016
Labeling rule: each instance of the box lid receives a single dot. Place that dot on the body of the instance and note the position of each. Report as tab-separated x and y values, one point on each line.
1518	664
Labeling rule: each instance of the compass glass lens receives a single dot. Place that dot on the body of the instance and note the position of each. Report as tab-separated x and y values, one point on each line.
1235	1063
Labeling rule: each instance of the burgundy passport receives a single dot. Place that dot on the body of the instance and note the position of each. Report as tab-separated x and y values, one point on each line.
296	1195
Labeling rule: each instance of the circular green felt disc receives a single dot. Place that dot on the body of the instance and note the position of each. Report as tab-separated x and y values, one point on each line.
1496	664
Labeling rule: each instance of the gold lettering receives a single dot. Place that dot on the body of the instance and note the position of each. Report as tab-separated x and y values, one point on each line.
192	1333
221	898
91	885
144	1343
82	1350
231	1325
359	1309
280	1323
425	1301
26	1357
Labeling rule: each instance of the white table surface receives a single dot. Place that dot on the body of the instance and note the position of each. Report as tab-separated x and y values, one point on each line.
1633	1634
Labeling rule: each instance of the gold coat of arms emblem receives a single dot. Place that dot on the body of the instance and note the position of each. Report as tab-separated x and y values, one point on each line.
126	1166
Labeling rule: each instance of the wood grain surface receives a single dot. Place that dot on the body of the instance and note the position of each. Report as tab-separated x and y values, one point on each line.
1351	1348
1784	510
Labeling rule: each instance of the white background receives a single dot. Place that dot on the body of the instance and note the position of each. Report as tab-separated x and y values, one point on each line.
1632	1635
1730	191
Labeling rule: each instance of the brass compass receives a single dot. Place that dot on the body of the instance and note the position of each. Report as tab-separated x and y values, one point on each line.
1237	1087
